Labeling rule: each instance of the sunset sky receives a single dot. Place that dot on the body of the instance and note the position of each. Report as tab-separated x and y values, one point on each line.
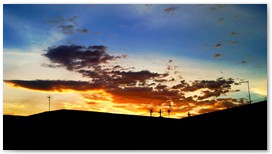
130	58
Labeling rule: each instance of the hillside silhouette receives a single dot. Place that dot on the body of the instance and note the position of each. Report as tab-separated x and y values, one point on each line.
238	128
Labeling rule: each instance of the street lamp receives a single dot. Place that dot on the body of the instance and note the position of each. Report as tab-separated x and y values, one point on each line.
248	90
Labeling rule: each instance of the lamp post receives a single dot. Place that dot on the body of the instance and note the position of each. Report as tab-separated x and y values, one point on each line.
248	90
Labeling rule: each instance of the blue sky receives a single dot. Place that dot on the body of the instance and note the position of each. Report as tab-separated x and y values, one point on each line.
204	41
188	31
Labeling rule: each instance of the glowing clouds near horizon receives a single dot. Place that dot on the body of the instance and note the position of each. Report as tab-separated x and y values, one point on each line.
119	89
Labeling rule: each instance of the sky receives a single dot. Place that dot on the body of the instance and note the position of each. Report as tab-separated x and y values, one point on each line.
131	59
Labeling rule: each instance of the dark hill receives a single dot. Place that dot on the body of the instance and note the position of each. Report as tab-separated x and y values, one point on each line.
239	128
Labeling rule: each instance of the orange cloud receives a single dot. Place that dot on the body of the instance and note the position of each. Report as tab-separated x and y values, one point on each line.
113	88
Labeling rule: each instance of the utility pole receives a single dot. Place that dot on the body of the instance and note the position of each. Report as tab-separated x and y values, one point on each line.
248	90
160	113
49	97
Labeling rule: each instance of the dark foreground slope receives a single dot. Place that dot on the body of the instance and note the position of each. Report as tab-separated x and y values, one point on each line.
242	128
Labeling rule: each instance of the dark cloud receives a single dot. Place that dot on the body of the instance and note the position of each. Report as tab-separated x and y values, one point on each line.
171	80
50	65
124	85
76	57
83	31
160	87
218	45
117	67
221	20
140	76
182	85
212	93
217	7
169	68
217	55
53	85
234	33
213	88
140	97
160	80
242	62
230	102
68	26
170	10
67	29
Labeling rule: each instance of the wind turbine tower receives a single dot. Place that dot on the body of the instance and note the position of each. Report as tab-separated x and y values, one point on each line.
49	98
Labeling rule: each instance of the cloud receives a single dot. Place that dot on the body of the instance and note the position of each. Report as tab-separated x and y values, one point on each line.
242	62
170	10
210	88
68	26
218	45
50	65
171	80
217	7
136	99
75	57
182	85
140	76
160	80
160	87
217	55
229	102
234	33
136	87
117	85
52	85
83	31
221	20
117	67
67	29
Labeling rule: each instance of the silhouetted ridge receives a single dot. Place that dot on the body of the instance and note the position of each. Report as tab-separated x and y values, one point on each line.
243	127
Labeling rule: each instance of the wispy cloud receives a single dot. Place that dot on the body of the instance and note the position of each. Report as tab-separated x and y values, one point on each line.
220	20
217	7
242	62
234	34
170	10
218	45
218	55
69	25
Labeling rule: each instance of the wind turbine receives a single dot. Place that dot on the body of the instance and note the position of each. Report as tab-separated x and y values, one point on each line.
49	98
151	111
169	111
160	112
